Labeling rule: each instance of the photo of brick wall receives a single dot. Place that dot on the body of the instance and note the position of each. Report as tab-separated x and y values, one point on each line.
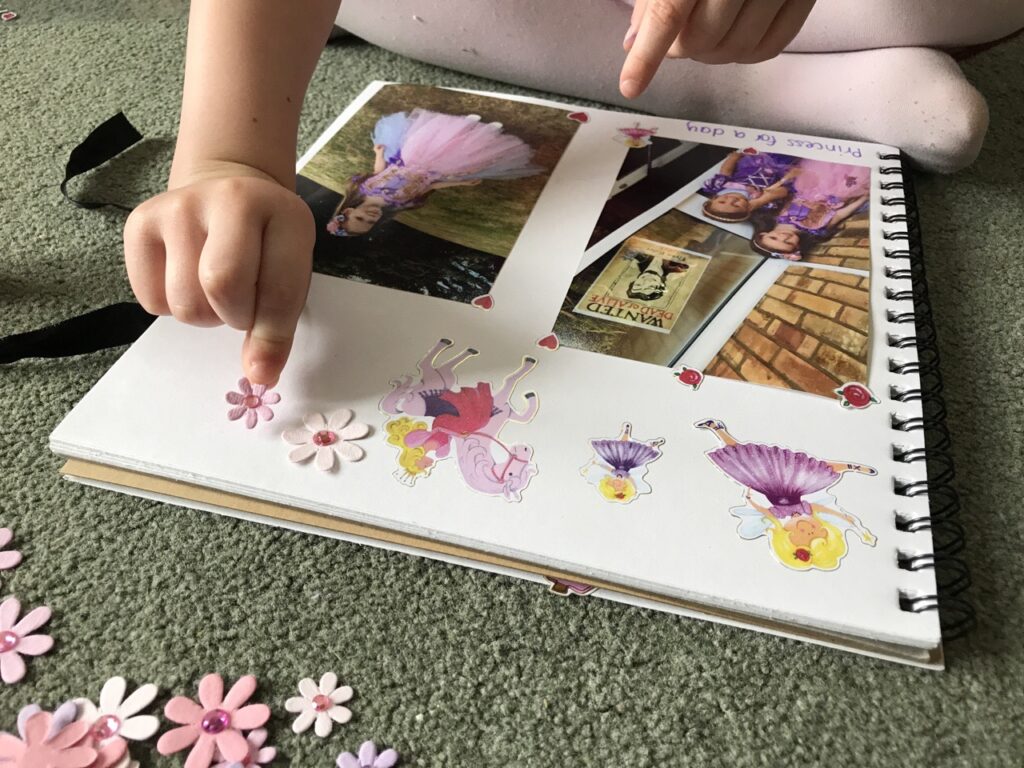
808	333
849	247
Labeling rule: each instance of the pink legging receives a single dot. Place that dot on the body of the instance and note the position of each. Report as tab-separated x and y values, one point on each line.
864	69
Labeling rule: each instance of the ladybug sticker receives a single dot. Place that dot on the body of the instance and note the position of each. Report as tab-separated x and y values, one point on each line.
855	396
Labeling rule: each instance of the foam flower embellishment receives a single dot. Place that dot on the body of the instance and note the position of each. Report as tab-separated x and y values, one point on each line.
320	704
9	558
327	438
62	716
253	402
215	724
43	744
117	716
258	754
368	757
17	640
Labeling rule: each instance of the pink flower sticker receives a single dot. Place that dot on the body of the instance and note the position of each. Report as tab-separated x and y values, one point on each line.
253	402
215	724
325	437
17	640
9	558
43	745
258	754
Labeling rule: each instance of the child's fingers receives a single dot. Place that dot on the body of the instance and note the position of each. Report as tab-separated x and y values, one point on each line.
281	290
744	34
144	260
708	24
229	264
784	27
183	242
659	27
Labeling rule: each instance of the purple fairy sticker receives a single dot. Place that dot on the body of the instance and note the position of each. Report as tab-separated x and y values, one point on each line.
619	466
787	502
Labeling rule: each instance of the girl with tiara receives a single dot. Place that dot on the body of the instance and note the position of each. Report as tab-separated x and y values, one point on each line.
618	469
804	529
420	152
823	196
747	181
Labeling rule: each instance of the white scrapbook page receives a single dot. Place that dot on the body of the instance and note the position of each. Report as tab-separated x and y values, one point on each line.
647	351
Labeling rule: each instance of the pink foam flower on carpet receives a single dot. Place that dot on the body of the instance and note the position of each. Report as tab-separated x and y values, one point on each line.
368	757
215	724
253	402
320	704
258	754
43	744
17	640
9	558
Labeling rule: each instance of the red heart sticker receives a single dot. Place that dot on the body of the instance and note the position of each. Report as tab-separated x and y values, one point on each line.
749	151
483	302
580	117
549	342
8	16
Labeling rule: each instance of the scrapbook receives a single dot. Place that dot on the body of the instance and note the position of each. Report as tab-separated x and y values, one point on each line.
681	365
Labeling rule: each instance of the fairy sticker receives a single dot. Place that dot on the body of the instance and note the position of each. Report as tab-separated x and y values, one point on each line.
636	137
436	416
620	465
803	523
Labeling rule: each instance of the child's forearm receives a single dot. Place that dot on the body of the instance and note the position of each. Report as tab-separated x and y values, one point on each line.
247	67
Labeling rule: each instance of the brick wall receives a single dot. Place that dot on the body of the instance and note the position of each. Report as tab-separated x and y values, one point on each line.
849	247
809	333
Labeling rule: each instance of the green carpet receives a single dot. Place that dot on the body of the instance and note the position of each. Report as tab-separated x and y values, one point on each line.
451	666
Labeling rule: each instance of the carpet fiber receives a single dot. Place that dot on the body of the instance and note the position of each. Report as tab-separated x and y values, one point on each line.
451	666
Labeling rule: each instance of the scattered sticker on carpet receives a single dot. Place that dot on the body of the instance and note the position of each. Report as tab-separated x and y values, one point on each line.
9	558
320	705
44	739
215	724
368	757
17	640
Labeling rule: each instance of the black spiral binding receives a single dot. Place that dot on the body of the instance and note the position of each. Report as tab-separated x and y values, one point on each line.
905	266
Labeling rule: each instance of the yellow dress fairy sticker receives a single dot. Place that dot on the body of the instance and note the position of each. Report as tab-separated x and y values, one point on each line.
646	285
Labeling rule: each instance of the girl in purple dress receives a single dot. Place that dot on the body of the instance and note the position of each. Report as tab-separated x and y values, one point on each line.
823	196
805	528
747	181
420	152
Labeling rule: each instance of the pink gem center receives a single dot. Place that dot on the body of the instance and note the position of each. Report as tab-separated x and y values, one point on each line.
8	640
215	721
105	727
322	702
251	401
325	437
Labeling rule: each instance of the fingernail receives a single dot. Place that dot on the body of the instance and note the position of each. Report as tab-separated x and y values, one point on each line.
627	41
630	88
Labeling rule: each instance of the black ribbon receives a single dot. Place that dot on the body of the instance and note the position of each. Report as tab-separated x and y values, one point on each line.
102	328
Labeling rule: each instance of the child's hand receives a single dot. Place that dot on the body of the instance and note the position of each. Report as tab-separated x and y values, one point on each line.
233	247
709	31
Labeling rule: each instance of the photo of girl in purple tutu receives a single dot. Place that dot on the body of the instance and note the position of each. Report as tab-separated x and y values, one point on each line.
821	197
619	466
426	190
805	527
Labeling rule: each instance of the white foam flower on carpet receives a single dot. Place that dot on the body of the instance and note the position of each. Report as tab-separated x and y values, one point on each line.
326	438
320	704
117	715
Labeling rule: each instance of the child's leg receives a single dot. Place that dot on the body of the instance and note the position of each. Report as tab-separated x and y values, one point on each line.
913	98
